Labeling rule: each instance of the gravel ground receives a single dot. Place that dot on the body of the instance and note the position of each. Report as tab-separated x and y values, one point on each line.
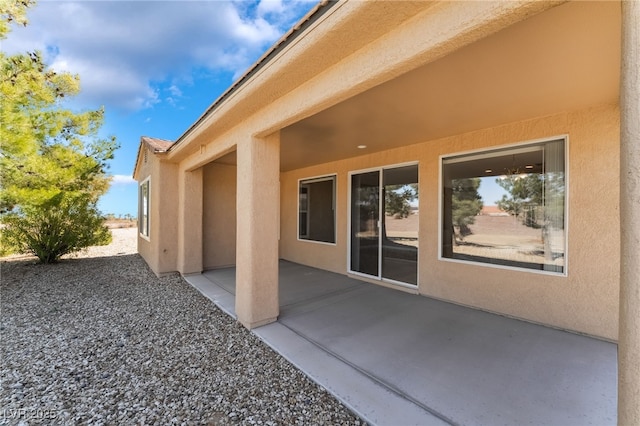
99	339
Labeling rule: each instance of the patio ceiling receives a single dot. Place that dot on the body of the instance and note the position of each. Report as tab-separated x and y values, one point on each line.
564	59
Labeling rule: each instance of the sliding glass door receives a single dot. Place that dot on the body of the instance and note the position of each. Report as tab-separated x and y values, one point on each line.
384	224
365	219
399	234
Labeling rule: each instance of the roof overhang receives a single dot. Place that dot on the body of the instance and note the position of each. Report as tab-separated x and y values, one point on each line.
329	33
509	61
564	59
155	145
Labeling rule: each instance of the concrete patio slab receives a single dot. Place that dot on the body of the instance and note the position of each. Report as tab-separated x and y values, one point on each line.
429	360
214	292
373	402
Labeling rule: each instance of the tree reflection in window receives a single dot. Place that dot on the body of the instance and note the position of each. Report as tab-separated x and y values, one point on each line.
524	227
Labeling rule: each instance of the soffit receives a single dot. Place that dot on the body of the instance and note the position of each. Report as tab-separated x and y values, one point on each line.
344	29
563	59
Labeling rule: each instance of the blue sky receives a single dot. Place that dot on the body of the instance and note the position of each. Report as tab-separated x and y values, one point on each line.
154	65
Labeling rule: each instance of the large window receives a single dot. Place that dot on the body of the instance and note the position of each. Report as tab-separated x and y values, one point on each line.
143	208
506	207
317	209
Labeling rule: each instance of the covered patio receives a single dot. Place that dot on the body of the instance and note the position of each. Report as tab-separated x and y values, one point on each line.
395	358
429	86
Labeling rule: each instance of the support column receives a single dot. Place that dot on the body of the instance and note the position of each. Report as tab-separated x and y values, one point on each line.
629	332
258	224
190	222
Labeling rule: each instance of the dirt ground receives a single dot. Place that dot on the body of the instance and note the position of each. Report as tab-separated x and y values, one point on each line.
121	223
497	237
505	237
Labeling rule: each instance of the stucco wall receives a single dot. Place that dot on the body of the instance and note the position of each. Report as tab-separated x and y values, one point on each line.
159	249
586	300
146	168
219	216
165	209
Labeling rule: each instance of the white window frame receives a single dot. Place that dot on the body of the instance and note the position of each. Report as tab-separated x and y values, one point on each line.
144	233
379	277
482	153
333	177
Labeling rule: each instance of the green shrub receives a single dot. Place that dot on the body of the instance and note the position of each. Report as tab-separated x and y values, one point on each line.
66	223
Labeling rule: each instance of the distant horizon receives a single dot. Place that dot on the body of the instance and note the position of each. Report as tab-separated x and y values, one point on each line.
122	185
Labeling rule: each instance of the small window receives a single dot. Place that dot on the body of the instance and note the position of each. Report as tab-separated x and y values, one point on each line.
506	207
317	209
143	208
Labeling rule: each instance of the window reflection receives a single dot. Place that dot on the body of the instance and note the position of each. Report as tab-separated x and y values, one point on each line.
506	207
316	209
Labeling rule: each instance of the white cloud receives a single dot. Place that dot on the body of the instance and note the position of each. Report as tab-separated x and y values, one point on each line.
270	6
174	95
283	11
121	49
175	91
122	180
122	87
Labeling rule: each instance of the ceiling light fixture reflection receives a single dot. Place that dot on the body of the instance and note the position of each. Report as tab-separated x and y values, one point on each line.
528	166
488	171
362	146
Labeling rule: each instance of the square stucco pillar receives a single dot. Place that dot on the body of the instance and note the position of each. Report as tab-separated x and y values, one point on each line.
629	333
258	222
190	222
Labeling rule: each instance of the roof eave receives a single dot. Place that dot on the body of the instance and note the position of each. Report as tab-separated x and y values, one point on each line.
293	33
147	141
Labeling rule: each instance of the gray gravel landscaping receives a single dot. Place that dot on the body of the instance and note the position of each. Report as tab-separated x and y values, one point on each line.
99	339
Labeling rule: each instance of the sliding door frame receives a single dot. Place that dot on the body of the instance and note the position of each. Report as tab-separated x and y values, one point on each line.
381	214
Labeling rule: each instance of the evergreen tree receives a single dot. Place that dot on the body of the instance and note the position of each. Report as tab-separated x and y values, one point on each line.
398	198
523	198
466	203
52	163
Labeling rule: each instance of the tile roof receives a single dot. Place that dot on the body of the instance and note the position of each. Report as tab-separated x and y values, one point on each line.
157	145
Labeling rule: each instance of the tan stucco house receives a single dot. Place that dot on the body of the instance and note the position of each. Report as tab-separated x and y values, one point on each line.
428	105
